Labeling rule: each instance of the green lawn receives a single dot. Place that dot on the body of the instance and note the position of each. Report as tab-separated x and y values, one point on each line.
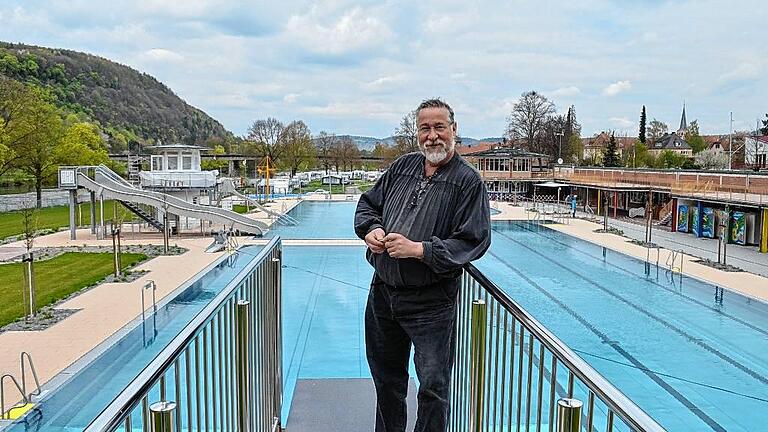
11	223
55	279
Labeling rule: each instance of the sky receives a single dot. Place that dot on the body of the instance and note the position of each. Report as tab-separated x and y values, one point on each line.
358	67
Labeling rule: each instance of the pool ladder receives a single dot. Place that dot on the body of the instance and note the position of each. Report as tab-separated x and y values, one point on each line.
26	398
149	285
672	260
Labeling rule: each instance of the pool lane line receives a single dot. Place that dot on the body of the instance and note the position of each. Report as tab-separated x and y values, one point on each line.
712	423
709	386
653	282
327	277
681	332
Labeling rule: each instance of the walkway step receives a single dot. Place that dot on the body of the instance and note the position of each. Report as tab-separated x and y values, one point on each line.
338	404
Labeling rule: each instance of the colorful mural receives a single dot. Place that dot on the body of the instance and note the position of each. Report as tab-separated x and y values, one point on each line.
738	228
695	220
708	223
682	218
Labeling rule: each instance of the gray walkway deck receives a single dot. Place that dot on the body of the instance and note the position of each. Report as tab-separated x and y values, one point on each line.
747	258
332	405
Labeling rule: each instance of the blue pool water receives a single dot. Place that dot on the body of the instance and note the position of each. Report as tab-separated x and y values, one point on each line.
692	360
73	405
319	220
692	356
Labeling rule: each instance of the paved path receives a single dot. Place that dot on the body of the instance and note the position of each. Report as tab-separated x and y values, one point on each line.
745	257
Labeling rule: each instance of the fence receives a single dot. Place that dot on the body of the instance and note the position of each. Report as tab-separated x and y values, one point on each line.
510	372
223	371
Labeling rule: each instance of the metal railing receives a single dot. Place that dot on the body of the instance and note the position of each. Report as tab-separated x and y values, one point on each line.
222	371
511	373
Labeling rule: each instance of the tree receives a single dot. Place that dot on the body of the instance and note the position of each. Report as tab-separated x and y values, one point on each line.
325	143
215	163
407	134
267	138
36	150
298	148
642	125
611	153
638	156
527	120
656	129
344	153
693	138
711	159
670	159
764	129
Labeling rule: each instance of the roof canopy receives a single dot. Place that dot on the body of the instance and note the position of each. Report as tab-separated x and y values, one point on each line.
508	152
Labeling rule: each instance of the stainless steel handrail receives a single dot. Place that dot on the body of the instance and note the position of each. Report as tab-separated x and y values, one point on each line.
29	362
530	333
188	341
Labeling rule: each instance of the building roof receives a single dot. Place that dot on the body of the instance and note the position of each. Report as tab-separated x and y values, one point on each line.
601	140
465	150
670	142
176	147
508	152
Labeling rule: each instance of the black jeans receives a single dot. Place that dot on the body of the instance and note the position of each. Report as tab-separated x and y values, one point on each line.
395	318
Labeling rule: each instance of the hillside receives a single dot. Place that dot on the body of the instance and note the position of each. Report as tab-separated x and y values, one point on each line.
130	106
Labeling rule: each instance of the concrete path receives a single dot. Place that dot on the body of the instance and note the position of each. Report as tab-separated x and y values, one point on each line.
745	257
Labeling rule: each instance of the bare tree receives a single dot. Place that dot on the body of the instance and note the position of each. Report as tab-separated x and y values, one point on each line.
656	129
267	138
344	153
528	118
325	143
711	159
407	134
299	150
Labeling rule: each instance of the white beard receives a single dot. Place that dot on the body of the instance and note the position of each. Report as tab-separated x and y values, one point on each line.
435	155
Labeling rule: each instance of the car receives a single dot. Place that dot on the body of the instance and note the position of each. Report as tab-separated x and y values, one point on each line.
320	192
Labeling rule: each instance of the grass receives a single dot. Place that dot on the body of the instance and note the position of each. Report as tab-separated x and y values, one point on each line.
55	279
11	223
240	208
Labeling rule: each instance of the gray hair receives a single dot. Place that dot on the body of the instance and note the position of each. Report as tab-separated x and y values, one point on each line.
436	103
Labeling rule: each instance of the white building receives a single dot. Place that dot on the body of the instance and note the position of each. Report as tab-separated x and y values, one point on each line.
176	167
756	152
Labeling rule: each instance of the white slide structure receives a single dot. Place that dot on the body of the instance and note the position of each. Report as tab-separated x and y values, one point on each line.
110	185
228	187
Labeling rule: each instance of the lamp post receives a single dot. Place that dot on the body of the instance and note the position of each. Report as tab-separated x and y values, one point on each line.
560	145
730	142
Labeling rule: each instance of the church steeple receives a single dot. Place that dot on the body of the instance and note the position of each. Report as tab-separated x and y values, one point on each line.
683	121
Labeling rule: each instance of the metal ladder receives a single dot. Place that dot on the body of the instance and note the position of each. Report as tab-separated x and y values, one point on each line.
672	259
149	285
26	398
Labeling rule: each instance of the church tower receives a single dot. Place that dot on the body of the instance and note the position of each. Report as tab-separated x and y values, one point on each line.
683	123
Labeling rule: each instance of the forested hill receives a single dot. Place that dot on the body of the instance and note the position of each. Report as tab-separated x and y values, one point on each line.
130	106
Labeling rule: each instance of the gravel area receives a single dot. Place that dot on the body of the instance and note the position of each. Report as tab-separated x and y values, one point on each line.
150	251
44	318
719	266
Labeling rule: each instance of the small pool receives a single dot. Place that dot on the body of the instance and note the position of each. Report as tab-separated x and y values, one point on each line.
319	220
88	391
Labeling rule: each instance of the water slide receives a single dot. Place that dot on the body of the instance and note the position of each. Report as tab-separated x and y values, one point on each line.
108	184
228	187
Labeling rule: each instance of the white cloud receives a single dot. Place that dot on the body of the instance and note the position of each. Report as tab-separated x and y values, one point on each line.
566	91
617	87
621	122
353	31
291	97
743	71
163	55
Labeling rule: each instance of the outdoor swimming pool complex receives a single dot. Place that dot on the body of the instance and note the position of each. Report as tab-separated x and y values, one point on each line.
692	356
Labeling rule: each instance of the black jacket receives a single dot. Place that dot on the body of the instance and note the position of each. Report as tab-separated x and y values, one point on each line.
450	216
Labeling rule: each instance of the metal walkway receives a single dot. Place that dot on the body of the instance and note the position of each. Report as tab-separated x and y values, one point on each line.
339	404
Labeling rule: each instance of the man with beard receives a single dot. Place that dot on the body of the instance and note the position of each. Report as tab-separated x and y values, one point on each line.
425	218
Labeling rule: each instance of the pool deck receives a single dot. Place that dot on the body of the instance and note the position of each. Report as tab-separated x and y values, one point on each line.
749	284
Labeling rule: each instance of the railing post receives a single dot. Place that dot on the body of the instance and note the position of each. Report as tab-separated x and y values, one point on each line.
477	388
243	374
162	416
569	415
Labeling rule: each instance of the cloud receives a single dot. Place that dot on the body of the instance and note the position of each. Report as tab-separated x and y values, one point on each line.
621	122
617	87
742	72
163	55
565	92
354	32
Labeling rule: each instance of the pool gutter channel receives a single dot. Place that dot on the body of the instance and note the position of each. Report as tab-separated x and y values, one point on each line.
66	374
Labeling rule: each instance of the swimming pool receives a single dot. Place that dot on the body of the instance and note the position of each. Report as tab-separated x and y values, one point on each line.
693	356
89	390
319	220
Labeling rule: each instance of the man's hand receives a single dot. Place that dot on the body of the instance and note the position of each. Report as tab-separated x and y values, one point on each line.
375	241
398	246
